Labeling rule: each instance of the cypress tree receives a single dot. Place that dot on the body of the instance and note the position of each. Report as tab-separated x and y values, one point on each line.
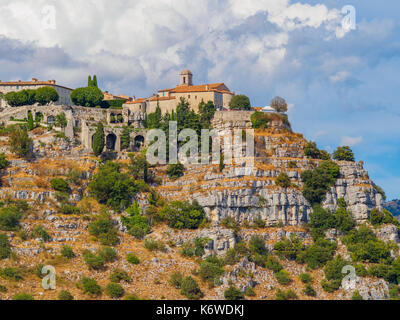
125	138
89	83
95	81
98	140
31	125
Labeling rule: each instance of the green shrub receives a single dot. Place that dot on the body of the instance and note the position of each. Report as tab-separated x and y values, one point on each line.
289	248
190	289
59	184
283	277
137	224
273	264
5	248
154	245
23	296
39	232
104	230
108	254
3	161
357	296
318	181
257	245
175	171
10	273
283	180
133	259
90	286
318	254
67	252
309	290
305	278
3	289
285	295
90	96
333	273
382	217
233	293
176	280
196	248
20	142
93	261
131	297
259	223
240	102
114	290
321	220
65	295
119	275
45	95
259	120
10	217
211	269
183	215
360	270
343	154
330	286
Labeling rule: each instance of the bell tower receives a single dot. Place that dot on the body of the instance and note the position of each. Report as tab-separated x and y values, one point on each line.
186	78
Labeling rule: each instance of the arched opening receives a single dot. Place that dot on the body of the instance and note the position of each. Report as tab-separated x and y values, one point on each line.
112	118
110	141
120	118
139	142
51	120
38	116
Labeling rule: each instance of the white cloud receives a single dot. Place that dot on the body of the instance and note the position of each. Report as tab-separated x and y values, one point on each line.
351	141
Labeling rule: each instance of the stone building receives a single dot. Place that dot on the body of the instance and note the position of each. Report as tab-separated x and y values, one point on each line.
19	85
168	99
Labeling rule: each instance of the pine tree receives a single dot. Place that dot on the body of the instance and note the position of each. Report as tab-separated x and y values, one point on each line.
125	138
98	140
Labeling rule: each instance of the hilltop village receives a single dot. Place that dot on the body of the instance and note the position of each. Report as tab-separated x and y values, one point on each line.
78	194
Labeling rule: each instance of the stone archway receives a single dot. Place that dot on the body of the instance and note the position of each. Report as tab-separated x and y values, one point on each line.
111	141
51	119
139	142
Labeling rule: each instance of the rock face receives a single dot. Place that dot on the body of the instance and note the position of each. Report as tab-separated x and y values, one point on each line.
248	192
388	232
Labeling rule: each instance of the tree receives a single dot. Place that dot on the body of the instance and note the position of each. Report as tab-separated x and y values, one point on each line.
190	289
139	167
153	120
98	140
233	293
20	142
46	95
183	215
88	97
3	161
260	120
206	112
94	82
112	187
61	120
125	138
344	153
279	104
240	102
283	180
175	171
31	125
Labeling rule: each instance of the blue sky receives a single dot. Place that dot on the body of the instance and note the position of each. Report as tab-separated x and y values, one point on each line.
343	86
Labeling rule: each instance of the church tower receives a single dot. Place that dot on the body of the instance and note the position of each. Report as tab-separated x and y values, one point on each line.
186	78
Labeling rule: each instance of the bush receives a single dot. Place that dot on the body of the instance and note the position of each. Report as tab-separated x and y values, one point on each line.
90	286
114	290
211	270
104	230
39	232
196	248
233	293
11	274
283	277
20	143
190	289
131	258
176	280
259	223
318	181
67	252
333	273
65	295
93	261
87	97
137	224
9	218
175	171
382	217
311	151
343	154
46	95
107	254
309	290
240	102
283	180
59	184
250	292
273	264
321	220
112	187
5	248
183	215
3	161
357	296
23	296
154	245
318	254
305	278
285	295
257	245
289	248
259	120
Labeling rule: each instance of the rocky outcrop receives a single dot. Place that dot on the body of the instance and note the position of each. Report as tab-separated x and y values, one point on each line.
387	233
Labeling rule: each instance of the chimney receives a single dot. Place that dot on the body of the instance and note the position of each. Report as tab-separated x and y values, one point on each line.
34	80
207	87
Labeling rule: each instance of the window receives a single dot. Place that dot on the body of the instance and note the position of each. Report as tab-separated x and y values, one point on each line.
189	96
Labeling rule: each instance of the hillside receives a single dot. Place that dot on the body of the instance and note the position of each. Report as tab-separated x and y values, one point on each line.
255	238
